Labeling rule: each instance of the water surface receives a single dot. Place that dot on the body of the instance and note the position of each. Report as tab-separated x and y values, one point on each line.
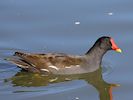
49	26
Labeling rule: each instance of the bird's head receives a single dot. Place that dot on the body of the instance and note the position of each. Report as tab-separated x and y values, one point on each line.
108	43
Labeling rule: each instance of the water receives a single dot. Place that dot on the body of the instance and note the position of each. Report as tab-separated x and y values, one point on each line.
50	26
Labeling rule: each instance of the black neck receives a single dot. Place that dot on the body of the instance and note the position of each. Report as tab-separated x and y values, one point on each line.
96	53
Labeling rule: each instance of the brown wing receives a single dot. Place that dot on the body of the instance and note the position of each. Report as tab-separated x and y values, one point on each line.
39	61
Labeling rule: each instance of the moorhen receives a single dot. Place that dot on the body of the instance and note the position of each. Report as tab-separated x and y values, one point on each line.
59	63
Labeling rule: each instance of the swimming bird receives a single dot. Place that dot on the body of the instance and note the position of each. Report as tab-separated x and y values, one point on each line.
60	63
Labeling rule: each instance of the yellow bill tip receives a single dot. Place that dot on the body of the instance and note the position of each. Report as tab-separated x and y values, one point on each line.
118	50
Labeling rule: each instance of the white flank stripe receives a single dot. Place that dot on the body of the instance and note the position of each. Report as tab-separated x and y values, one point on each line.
67	67
54	67
45	70
72	66
77	65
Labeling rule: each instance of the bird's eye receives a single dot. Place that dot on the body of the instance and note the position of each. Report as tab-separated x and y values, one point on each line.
105	39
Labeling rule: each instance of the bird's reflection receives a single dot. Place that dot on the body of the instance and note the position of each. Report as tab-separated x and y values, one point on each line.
94	78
